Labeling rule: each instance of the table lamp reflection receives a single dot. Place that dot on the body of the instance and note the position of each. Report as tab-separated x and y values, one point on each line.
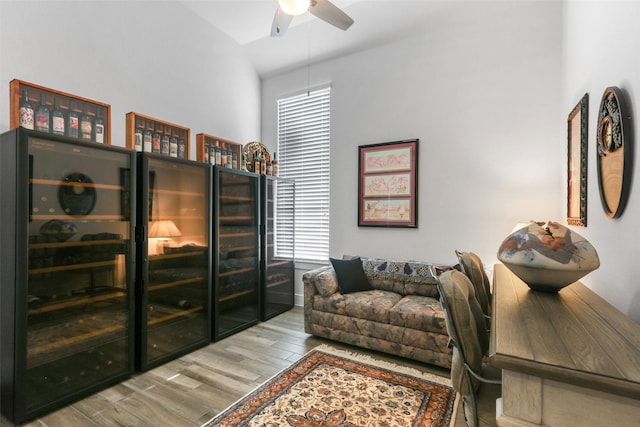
164	231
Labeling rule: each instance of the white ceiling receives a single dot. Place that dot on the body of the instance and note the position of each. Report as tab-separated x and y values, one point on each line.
309	39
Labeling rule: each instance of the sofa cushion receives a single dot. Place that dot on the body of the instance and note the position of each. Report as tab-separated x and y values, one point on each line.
326	282
403	277
418	312
351	277
370	305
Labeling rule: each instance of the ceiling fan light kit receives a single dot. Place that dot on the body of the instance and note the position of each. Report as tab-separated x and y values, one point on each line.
322	9
294	7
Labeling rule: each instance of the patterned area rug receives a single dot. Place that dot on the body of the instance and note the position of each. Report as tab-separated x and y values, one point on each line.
334	388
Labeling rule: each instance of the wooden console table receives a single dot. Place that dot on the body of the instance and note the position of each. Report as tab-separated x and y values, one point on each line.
567	359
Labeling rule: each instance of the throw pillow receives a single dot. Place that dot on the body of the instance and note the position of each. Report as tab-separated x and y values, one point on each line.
350	274
327	283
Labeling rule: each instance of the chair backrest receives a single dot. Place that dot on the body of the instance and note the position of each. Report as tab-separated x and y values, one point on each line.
465	325
472	267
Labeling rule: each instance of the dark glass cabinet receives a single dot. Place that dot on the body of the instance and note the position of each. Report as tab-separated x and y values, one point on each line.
173	258
66	270
277	214
236	285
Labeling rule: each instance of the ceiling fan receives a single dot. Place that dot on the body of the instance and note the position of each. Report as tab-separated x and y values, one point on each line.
323	9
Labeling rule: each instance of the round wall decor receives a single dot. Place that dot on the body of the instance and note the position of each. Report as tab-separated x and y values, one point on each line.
77	194
614	151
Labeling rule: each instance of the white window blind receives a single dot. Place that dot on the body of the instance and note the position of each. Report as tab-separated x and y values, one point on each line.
303	155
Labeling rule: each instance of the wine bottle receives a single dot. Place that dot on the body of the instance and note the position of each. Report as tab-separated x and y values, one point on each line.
234	160
164	146
243	162
73	121
26	112
42	115
57	118
269	165
263	165
207	153
138	136
86	127
98	127
223	156
155	141
182	146
256	162
274	164
147	138
229	158
173	144
218	152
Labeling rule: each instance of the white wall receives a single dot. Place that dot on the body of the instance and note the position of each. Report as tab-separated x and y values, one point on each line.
154	58
482	92
601	41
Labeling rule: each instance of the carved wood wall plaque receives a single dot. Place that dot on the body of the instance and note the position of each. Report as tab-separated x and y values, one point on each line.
614	151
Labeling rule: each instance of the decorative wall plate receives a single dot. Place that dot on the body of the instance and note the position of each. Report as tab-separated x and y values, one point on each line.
614	151
77	194
251	147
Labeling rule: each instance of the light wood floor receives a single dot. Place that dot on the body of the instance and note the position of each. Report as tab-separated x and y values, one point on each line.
191	390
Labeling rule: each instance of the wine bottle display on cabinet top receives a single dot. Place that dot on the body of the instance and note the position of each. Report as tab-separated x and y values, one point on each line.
167	138
217	151
172	311
59	113
67	319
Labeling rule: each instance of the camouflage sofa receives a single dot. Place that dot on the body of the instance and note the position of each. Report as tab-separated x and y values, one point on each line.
401	313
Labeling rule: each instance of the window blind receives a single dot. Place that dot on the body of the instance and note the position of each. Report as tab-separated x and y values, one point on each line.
303	155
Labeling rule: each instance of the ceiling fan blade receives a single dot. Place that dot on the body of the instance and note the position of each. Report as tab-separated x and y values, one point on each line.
330	13
280	24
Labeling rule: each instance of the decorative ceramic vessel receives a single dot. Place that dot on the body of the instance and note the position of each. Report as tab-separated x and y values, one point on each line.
547	256
59	230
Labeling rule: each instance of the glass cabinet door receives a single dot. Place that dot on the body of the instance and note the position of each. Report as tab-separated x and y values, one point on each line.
278	219
78	299
236	285
173	303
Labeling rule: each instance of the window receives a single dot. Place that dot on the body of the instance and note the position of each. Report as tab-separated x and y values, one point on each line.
303	155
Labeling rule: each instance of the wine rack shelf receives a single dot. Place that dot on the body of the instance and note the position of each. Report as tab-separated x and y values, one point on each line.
211	149
68	103
180	148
